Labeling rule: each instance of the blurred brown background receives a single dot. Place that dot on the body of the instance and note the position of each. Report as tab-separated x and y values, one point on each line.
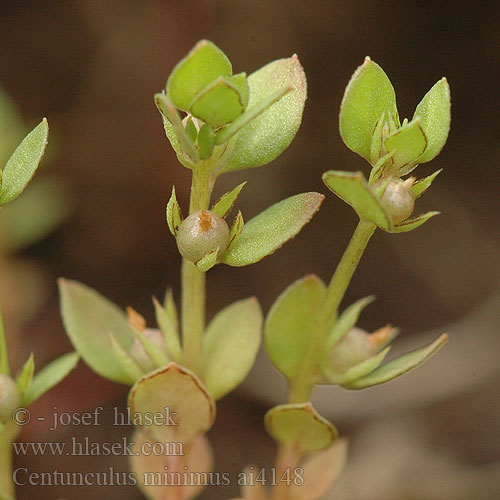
92	68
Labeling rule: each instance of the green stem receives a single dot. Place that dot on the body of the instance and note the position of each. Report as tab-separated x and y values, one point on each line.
7	436
301	387
193	280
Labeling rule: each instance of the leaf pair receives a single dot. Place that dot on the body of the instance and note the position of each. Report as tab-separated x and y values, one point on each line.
355	365
365	199
103	336
261	236
248	121
369	122
29	385
101	332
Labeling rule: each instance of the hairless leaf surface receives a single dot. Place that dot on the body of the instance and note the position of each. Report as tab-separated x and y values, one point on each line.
177	389
218	103
321	470
368	95
204	63
230	345
400	365
413	223
406	145
168	326
290	322
420	187
25	376
50	376
227	201
347	320
300	427
88	317
354	190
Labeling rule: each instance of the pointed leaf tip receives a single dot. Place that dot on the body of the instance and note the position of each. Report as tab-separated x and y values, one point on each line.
434	111
23	163
400	365
204	63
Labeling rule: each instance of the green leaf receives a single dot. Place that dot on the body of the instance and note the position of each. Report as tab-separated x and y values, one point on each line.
176	393
185	146
359	370
268	231
168	325
218	103
406	144
265	137
434	112
399	366
171	308
174	214
207	262
240	82
355	191
413	223
23	163
368	95
50	376
204	63
228	132
420	187
347	320
156	354
25	376
131	369
174	141
290	322
191	130
206	141
4	353
300	427
377	142
227	201
230	345
236	228
88	318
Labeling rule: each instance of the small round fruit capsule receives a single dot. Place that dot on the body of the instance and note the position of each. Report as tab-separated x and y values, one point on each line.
398	199
201	233
9	397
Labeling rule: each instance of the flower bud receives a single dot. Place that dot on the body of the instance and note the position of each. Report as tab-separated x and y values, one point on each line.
139	354
398	199
10	398
354	348
201	233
